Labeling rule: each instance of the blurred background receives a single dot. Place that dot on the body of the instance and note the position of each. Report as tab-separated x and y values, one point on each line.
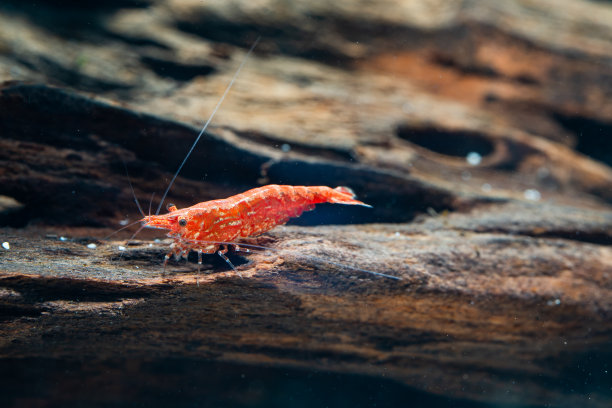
424	107
472	98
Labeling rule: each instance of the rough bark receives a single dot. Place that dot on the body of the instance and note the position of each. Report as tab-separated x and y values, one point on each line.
505	294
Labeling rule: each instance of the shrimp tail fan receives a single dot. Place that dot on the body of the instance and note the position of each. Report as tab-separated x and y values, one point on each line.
347	196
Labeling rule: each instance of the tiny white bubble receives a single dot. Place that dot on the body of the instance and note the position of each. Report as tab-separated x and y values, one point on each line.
473	158
532	194
557	301
6	245
285	147
542	172
124	222
63	239
121	248
397	234
157	240
150	245
92	246
486	187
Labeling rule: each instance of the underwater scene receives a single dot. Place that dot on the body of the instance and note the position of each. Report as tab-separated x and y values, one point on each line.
276	203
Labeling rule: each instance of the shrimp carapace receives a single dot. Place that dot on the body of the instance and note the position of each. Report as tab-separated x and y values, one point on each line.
253	212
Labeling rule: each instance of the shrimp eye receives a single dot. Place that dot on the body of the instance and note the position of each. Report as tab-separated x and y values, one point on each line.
182	222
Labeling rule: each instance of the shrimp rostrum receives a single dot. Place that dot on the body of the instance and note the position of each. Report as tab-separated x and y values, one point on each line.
211	226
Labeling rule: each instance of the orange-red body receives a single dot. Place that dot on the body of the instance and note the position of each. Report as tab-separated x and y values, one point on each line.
205	226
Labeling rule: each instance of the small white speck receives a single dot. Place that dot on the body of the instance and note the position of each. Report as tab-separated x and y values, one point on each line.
157	240
150	245
473	158
124	222
121	248
285	147
397	234
466	175
532	195
92	246
486	187
557	301
63	239
6	245
543	172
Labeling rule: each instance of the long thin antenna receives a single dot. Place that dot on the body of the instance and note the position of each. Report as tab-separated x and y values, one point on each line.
244	60
121	229
132	188
151	203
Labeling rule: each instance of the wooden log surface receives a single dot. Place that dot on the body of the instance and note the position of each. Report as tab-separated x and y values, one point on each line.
505	259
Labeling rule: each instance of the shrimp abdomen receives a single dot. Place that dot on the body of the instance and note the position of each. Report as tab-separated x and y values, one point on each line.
263	208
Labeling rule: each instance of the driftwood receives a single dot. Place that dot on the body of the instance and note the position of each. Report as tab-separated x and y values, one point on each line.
505	263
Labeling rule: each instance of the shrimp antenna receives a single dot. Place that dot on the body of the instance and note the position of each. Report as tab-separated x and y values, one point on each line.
135	200
137	203
151	203
121	229
131	238
229	86
136	222
132	187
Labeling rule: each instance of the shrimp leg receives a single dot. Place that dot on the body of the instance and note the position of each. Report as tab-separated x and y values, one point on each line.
222	253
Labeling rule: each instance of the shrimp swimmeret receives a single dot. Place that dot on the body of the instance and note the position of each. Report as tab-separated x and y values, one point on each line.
209	226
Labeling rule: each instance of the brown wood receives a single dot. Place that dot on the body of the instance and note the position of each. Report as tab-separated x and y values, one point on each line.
506	266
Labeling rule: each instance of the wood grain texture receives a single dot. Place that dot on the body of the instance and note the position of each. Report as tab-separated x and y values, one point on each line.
506	297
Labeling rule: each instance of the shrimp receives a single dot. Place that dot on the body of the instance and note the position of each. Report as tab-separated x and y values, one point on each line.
213	226
205	226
